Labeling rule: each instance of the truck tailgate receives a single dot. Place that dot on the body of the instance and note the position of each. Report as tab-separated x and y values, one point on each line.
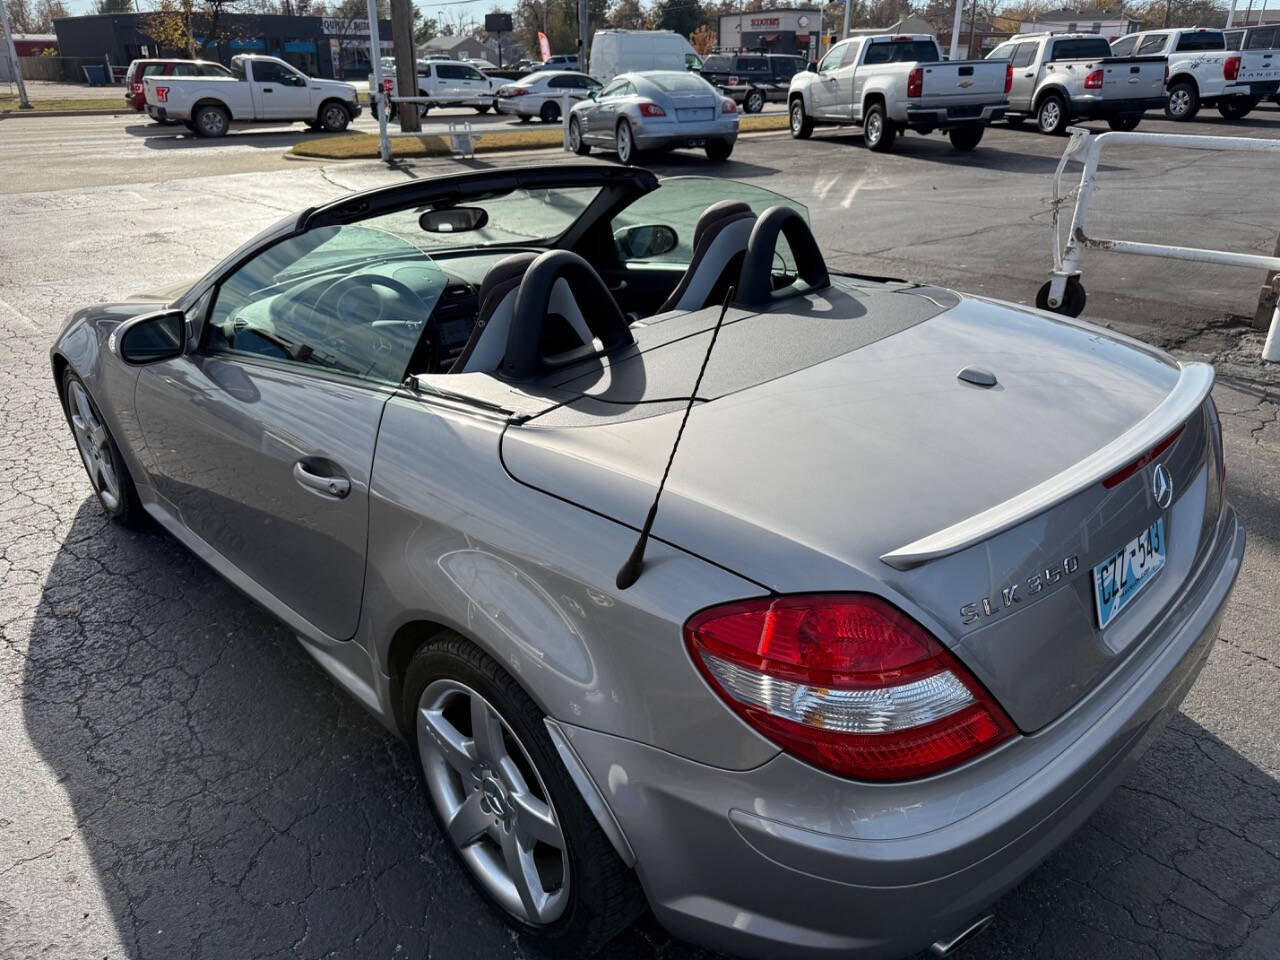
1259	66
1131	78
962	83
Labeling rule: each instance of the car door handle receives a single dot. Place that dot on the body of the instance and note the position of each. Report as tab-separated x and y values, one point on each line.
1028	75
327	486
266	89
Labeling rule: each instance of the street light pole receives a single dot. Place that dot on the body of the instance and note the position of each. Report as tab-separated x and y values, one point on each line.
582	35
12	53
955	30
848	13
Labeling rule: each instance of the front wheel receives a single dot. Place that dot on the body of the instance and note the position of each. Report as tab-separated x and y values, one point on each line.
334	118
1125	122
966	138
1073	298
1183	103
801	125
753	102
482	110
877	132
1051	115
576	143
505	803
718	150
107	471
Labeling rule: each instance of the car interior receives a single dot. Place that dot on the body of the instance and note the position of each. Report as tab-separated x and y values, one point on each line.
373	305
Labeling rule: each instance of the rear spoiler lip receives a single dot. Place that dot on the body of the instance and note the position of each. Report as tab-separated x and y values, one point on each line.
1195	380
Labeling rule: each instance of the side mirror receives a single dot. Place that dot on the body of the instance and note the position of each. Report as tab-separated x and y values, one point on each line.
813	66
645	240
151	337
592	94
453	219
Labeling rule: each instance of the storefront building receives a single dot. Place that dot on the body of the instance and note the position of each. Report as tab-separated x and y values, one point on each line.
782	30
319	46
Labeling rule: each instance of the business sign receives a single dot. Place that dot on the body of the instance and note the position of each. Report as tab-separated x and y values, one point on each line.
544	46
337	26
765	22
497	23
802	20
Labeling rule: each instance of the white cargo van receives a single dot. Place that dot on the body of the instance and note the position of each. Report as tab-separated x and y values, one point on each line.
622	51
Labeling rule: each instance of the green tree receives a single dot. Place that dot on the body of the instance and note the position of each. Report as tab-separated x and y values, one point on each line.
628	15
679	16
113	6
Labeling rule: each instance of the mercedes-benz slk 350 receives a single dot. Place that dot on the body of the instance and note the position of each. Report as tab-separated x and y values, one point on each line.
926	573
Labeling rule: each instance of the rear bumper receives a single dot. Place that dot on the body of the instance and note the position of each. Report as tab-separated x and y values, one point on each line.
675	133
943	117
158	113
1101	109
786	860
1264	88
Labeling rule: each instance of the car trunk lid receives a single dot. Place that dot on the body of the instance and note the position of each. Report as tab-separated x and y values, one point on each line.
805	481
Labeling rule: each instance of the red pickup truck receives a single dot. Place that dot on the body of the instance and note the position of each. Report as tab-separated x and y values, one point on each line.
134	97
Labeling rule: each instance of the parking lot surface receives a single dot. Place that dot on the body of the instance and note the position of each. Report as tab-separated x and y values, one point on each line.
178	779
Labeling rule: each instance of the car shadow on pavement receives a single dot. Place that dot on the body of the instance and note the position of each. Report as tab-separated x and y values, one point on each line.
156	137
236	803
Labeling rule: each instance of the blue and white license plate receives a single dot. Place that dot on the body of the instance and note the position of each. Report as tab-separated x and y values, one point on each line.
1118	579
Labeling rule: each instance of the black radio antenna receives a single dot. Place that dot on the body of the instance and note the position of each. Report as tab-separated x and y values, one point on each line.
629	573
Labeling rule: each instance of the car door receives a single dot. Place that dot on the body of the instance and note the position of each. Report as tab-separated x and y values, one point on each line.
824	91
603	114
261	438
1023	62
282	92
474	85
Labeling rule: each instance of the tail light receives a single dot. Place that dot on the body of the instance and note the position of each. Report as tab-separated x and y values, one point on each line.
1127	471
162	94
846	682
915	82
1008	77
1231	69
1094	80
727	105
733	81
137	88
648	109
513	91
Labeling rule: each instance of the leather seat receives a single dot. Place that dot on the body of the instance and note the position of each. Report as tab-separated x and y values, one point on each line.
719	247
488	341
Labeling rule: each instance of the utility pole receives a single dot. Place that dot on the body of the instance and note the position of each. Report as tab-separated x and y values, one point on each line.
955	30
973	17
406	64
15	66
848	18
583	37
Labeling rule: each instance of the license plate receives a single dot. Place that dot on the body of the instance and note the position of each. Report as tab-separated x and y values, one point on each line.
1118	579
694	114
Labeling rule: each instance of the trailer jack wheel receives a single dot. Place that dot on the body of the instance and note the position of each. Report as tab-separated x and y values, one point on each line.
1073	298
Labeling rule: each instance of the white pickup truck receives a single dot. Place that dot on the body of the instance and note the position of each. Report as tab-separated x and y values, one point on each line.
1058	78
259	89
1203	72
449	83
890	83
1263	39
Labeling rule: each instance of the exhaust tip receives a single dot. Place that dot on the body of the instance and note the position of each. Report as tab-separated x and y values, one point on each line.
947	945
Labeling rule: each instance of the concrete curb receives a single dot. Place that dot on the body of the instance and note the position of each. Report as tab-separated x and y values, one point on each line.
111	112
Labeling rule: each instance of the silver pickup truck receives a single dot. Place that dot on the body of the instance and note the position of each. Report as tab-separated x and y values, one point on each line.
890	83
1058	78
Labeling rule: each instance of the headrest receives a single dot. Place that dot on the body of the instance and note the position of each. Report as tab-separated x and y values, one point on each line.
720	211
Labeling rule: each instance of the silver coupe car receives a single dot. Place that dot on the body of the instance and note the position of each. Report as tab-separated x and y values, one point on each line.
655	110
810	610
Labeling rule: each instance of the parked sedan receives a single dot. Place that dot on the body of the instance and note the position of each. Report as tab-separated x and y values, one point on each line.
862	666
540	94
655	110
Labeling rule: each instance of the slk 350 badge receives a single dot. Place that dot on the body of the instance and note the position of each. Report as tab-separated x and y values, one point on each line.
1012	594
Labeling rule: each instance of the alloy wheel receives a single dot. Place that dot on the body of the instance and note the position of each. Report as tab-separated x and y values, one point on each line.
874	129
212	122
94	444
797	117
624	142
1179	102
333	118
1050	116
495	807
575	136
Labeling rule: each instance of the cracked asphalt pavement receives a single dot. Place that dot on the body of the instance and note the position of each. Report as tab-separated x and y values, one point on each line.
179	780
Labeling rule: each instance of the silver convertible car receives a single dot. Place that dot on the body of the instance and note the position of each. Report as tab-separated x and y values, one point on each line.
654	110
812	611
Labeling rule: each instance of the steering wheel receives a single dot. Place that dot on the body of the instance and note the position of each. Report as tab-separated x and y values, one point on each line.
344	306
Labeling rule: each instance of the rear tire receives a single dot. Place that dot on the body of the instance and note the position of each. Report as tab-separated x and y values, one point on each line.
753	102
102	461
450	680
877	131
801	125
718	150
966	138
550	112
211	121
1051	115
1183	103
576	143
1125	122
482	110
1236	108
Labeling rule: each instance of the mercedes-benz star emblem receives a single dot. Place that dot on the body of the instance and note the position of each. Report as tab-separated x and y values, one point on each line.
1161	486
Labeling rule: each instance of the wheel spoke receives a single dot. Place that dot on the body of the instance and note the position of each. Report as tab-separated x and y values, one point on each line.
486	732
458	751
536	821
469	821
524	876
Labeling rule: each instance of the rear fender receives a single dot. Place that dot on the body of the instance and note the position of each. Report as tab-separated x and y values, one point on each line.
211	102
1183	78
